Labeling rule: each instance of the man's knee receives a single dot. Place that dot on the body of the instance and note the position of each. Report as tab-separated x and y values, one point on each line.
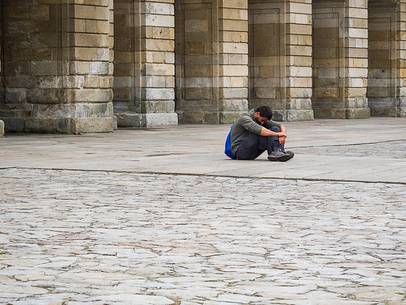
276	128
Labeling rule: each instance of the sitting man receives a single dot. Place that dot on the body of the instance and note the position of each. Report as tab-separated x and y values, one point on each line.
255	132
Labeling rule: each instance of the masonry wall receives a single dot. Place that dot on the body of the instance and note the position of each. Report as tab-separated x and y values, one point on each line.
328	58
2	79
196	60
56	67
382	58
267	55
299	60
401	55
66	64
127	52
17	33
233	59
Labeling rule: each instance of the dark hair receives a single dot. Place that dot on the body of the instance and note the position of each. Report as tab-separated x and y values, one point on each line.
264	111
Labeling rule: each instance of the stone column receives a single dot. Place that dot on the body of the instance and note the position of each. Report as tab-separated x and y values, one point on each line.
2	89
356	56
340	58
158	64
111	51
86	105
401	65
152	101
57	67
233	59
299	60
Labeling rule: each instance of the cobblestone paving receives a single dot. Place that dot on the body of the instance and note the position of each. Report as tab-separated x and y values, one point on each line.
74	237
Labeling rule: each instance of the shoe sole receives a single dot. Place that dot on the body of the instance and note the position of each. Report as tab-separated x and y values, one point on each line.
282	158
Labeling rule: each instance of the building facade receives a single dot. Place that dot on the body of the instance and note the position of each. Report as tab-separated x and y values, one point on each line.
75	66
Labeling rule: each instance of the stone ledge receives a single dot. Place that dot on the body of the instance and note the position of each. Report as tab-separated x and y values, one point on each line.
60	125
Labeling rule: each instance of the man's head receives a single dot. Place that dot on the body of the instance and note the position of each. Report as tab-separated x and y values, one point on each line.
262	114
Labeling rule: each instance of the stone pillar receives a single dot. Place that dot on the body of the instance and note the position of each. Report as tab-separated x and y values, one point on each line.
356	55
151	92
87	83
340	58
299	60
2	79
211	60
401	63
280	57
233	59
111	51
57	67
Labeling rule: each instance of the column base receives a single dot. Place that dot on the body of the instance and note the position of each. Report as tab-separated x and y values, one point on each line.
198	117
299	115
350	108
343	113
148	120
68	118
60	125
230	117
388	107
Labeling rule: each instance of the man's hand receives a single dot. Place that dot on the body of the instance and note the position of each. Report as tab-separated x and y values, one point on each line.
282	139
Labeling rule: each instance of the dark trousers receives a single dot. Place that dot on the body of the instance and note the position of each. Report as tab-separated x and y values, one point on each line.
252	145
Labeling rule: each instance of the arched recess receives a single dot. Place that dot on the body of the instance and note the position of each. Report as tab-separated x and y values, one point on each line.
55	67
127	62
383	55
267	55
31	63
197	96
328	58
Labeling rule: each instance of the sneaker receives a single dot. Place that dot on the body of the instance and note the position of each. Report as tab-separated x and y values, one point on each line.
280	156
290	153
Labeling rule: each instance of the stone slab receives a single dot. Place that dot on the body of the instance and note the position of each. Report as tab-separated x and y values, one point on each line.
149	120
371	150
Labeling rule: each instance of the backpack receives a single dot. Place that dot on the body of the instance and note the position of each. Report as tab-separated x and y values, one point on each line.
227	146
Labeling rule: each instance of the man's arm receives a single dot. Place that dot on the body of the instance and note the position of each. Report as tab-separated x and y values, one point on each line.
269	133
282	139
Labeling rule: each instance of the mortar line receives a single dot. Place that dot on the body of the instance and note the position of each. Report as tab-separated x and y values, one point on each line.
205	175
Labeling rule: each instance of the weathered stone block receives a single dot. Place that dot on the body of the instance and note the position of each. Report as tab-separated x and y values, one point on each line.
131	119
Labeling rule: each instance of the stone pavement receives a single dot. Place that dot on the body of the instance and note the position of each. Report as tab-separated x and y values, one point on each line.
112	219
355	150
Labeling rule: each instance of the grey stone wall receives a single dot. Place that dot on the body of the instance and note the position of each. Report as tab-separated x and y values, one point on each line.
144	85
382	57
73	66
56	69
